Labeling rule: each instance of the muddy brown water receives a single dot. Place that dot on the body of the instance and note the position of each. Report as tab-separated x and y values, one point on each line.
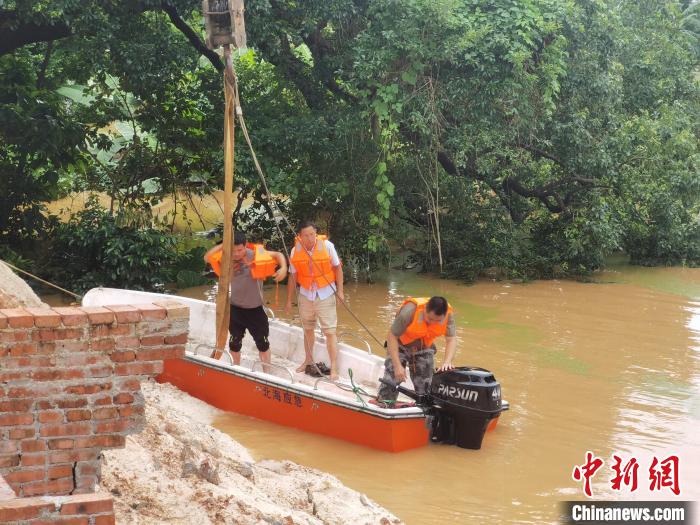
610	367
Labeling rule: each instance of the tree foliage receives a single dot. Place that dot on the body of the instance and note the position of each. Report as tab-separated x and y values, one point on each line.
532	136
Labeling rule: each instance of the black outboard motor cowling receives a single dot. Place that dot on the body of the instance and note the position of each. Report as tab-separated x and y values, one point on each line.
464	401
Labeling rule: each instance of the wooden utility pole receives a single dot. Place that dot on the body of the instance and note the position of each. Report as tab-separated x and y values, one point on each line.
225	26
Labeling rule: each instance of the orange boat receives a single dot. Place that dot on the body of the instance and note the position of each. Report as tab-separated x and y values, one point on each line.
277	393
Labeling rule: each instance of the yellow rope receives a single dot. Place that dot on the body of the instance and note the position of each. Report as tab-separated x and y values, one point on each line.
78	297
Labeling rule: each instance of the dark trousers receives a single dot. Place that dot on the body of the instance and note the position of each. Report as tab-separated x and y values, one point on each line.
252	319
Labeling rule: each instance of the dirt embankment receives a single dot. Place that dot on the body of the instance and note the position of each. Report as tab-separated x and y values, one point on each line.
180	470
14	292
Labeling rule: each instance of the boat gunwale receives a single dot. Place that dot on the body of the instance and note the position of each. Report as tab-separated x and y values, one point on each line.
413	412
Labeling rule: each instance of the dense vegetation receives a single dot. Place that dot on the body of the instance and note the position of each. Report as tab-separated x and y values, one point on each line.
535	137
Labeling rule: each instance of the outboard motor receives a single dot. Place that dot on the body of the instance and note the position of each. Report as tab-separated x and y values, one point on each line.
461	405
464	402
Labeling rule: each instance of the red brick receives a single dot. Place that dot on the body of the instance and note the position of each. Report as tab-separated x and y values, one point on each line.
57	374
87	389
123	399
87	504
152	340
71	456
61	444
53	416
75	520
69	429
105	413
6	376
179	339
71	316
86	484
104	441
102	345
33	445
100	371
45	317
44	404
11	460
16	405
59	471
131	410
79	359
12	420
56	334
112	330
58	486
22	433
33	460
78	415
151	311
20	509
129	384
126	342
64	347
105	520
175	310
14	336
102	401
98	315
18	318
7	447
36	361
125	313
122	357
24	476
88	469
157	354
71	403
3	321
135	369
23	349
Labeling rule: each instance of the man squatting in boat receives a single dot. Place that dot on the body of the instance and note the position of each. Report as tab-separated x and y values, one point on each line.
411	342
315	266
251	264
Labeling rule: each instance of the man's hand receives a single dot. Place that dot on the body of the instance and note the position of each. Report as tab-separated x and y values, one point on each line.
340	295
280	274
446	366
399	374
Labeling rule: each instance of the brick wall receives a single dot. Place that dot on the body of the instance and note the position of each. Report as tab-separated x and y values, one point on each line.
70	388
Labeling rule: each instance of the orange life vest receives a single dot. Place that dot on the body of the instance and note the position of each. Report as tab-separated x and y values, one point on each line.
263	264
419	329
315	269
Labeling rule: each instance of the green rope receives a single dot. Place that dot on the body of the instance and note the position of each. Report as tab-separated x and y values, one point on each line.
357	390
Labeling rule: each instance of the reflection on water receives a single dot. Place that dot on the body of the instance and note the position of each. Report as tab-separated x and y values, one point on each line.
610	367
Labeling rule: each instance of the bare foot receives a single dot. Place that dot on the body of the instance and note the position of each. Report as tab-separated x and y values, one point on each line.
303	366
334	376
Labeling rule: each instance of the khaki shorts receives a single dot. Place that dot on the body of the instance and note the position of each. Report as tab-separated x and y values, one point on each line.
323	310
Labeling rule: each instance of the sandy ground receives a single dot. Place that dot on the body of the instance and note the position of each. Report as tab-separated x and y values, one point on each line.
181	470
14	292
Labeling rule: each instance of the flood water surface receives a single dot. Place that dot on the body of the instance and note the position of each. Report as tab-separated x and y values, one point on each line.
610	367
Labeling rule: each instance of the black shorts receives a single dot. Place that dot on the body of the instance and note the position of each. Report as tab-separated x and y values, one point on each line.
252	319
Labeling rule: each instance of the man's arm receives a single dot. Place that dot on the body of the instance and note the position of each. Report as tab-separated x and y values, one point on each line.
281	272
291	288
212	251
392	343
339	281
450	349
